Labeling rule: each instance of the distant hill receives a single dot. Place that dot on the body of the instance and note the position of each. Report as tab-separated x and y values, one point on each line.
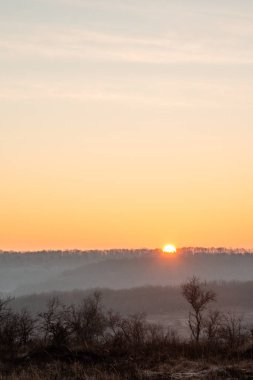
26	273
149	299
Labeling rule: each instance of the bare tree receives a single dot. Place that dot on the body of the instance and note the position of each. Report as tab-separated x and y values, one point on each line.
113	322
87	321
213	325
54	324
8	327
4	309
198	296
134	329
233	331
26	327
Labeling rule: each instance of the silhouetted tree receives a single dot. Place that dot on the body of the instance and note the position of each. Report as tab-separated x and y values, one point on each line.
26	327
87	321
233	332
54	324
198	296
213	325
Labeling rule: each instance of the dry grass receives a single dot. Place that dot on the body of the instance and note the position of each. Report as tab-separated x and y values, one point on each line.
59	371
180	369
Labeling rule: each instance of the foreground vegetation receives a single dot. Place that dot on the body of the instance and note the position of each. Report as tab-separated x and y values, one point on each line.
86	341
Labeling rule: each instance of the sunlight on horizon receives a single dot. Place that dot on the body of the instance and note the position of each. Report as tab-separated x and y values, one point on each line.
169	249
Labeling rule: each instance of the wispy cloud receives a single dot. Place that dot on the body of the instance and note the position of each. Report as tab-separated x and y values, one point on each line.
156	94
107	5
28	90
71	43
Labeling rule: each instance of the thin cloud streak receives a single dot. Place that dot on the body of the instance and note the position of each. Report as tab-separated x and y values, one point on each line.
45	91
160	95
104	5
73	44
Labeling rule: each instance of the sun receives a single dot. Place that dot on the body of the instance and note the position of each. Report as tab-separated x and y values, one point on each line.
169	248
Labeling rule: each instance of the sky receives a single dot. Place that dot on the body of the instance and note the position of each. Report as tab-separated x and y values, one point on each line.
126	123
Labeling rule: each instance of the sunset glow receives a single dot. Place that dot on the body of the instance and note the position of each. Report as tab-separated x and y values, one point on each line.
125	121
126	168
169	249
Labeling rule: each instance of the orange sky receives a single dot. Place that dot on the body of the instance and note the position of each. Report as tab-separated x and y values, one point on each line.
121	129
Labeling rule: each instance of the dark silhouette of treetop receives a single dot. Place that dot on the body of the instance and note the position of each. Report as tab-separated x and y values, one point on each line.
198	296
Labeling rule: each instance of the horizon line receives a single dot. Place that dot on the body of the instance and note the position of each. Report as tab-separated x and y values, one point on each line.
209	249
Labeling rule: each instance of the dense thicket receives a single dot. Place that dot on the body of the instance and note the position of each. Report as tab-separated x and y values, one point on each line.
89	326
72	338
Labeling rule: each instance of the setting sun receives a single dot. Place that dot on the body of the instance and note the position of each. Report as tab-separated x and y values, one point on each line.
169	248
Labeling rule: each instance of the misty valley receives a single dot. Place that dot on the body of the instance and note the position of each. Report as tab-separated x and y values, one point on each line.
36	272
101	314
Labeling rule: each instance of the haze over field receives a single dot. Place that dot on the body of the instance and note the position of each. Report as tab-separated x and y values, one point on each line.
28	273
